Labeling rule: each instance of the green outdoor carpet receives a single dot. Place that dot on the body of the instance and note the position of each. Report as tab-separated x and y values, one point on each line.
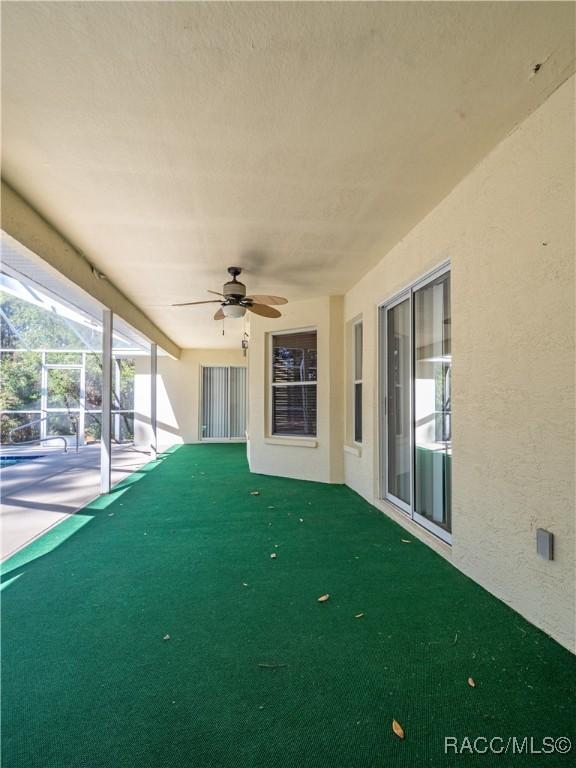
257	673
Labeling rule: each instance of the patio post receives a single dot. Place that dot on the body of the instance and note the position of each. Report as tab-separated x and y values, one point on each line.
153	395
106	442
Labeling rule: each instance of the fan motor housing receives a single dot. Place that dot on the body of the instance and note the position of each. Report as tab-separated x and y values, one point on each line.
234	289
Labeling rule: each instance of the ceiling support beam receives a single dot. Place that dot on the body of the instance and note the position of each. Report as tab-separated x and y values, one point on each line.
26	226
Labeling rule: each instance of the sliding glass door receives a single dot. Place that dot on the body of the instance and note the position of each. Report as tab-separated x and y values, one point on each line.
398	448
416	413
432	407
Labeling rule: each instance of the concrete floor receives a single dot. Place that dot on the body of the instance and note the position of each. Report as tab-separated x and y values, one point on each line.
36	495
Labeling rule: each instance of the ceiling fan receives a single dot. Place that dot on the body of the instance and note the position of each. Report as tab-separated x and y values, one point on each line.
234	302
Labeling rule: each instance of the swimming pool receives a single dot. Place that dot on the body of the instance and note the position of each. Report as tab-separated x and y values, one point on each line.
9	461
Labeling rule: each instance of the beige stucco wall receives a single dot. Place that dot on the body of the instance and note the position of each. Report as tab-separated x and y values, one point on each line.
321	458
509	231
178	393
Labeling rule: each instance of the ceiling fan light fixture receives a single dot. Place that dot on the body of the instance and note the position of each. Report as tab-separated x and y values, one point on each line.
234	302
233	310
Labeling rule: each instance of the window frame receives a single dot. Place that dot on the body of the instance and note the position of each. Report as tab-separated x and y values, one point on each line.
272	384
355	381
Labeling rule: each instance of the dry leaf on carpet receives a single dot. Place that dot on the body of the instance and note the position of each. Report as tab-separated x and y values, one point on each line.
397	728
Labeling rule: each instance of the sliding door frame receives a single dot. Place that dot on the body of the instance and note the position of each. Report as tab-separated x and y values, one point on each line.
228	406
407	293
383	399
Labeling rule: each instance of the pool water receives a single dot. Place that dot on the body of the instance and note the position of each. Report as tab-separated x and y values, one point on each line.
9	461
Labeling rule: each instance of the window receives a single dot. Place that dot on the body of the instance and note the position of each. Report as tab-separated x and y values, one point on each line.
357	362
294	377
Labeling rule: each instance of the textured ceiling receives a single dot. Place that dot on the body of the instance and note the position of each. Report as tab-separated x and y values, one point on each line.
170	140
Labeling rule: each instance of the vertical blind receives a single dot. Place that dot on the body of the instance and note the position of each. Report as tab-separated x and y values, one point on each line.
294	377
237	402
215	421
223	402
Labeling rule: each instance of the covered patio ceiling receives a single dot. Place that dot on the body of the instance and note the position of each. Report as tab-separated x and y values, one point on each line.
298	140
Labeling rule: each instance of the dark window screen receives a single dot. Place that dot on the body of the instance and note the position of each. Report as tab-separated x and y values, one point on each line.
358	412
